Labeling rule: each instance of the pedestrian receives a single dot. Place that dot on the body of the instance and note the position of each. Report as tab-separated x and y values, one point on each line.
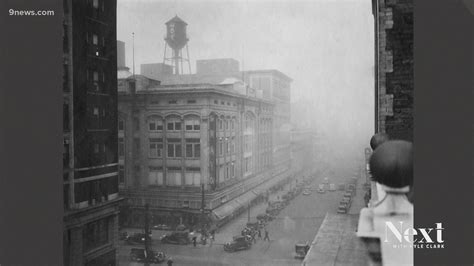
259	233
194	241
170	261
266	236
211	239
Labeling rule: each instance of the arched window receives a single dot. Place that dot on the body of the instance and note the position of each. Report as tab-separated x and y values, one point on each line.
155	123
192	123
173	124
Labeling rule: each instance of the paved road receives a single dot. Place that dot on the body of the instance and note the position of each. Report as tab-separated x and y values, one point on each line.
299	221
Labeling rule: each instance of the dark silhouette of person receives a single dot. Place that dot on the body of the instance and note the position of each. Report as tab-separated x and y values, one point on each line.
170	261
266	236
259	234
194	241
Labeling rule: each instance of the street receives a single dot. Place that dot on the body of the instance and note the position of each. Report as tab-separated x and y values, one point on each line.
297	222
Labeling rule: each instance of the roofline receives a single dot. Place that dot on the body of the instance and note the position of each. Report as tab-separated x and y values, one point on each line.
269	71
207	89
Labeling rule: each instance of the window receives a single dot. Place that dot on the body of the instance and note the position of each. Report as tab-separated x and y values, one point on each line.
192	176
136	123
248	164
232	146
95	3
232	124
121	174
96	148
216	102
173	176
136	144
191	101
193	148
174	148
95	39
156	148
155	176
96	111
226	124
232	170
172	102
95	234
121	125
220	147
173	126
220	124
155	125
95	80
192	125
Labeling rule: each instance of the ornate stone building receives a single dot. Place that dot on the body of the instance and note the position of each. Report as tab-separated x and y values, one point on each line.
193	149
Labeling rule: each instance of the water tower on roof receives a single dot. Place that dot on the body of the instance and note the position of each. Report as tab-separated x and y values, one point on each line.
176	39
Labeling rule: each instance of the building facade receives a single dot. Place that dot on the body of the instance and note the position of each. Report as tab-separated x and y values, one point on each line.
394	72
192	149
90	139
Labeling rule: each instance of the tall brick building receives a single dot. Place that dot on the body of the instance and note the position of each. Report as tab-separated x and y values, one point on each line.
90	133
394	77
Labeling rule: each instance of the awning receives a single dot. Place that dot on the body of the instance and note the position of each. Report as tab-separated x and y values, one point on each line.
246	198
226	209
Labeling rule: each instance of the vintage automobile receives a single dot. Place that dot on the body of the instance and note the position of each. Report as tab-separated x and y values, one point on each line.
307	192
347	202
137	238
176	237
265	217
253	225
237	243
301	249
342	209
147	256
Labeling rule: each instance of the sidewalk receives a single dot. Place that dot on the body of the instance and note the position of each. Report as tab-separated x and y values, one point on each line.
235	226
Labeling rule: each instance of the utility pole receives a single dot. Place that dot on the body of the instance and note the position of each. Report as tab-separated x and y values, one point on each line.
147	234
248	216
202	208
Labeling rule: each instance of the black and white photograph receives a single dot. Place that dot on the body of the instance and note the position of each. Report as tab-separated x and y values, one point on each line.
238	132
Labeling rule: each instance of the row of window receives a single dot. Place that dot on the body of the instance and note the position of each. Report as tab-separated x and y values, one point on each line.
192	148
224	103
158	125
174	177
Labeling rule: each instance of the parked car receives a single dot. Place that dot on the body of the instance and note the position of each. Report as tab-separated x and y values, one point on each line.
321	190
301	249
150	256
237	243
177	238
342	209
137	238
307	192
162	227
332	187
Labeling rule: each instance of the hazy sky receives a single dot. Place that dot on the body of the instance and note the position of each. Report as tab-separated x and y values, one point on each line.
325	46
